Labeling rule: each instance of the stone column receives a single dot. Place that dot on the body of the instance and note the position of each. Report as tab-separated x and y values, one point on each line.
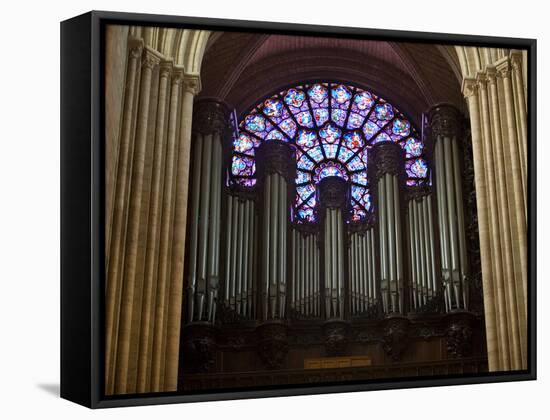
387	174
114	257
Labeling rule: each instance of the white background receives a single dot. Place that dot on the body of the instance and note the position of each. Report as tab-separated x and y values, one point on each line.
29	209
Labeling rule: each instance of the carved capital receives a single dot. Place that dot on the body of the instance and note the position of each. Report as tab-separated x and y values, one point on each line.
210	116
165	69
333	192
149	59
192	84
135	47
177	76
276	157
491	75
469	87
516	58
482	80
386	158
504	68
444	120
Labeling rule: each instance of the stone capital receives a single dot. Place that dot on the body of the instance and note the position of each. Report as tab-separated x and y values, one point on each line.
491	75
504	68
192	83
516	58
469	87
166	67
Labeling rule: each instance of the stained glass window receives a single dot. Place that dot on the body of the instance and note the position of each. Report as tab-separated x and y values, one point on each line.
332	127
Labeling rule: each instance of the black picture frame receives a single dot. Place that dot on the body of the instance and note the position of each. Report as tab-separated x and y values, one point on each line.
82	204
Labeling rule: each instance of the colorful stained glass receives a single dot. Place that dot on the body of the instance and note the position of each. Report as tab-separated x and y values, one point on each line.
330	133
289	127
360	178
255	123
330	150
384	111
295	97
320	115
316	154
341	94
314	128
246	182
358	214
356	164
401	127
413	147
304	119
355	120
302	177
339	116
275	135
317	93
370	129
382	137
243	166
243	144
353	140
419	168
327	169
306	138
363	100
273	107
304	191
344	154
304	162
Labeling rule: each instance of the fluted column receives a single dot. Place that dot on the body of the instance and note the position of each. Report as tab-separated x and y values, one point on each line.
209	125
386	170
496	103
445	127
333	197
276	171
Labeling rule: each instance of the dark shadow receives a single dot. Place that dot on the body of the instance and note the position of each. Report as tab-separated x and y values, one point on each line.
52	389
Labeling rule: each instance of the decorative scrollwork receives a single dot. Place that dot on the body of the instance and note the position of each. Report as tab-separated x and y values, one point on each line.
333	192
272	344
395	338
276	157
336	337
210	116
444	120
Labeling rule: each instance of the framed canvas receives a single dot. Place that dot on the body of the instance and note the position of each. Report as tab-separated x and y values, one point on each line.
263	209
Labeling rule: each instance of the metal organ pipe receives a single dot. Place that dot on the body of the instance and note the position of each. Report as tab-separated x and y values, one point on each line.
398	244
383	247
195	200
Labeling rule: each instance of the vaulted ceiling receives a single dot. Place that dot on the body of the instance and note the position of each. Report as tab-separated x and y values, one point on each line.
243	68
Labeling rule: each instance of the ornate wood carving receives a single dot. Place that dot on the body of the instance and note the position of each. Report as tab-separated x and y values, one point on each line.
336	337
276	157
395	336
198	347
460	334
333	192
272	344
444	120
210	116
386	158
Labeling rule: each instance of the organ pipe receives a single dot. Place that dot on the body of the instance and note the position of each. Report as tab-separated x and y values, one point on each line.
445	128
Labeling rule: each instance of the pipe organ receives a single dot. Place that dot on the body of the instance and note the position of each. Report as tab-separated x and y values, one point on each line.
444	126
205	223
333	192
252	265
386	169
362	272
305	290
277	168
240	255
424	277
